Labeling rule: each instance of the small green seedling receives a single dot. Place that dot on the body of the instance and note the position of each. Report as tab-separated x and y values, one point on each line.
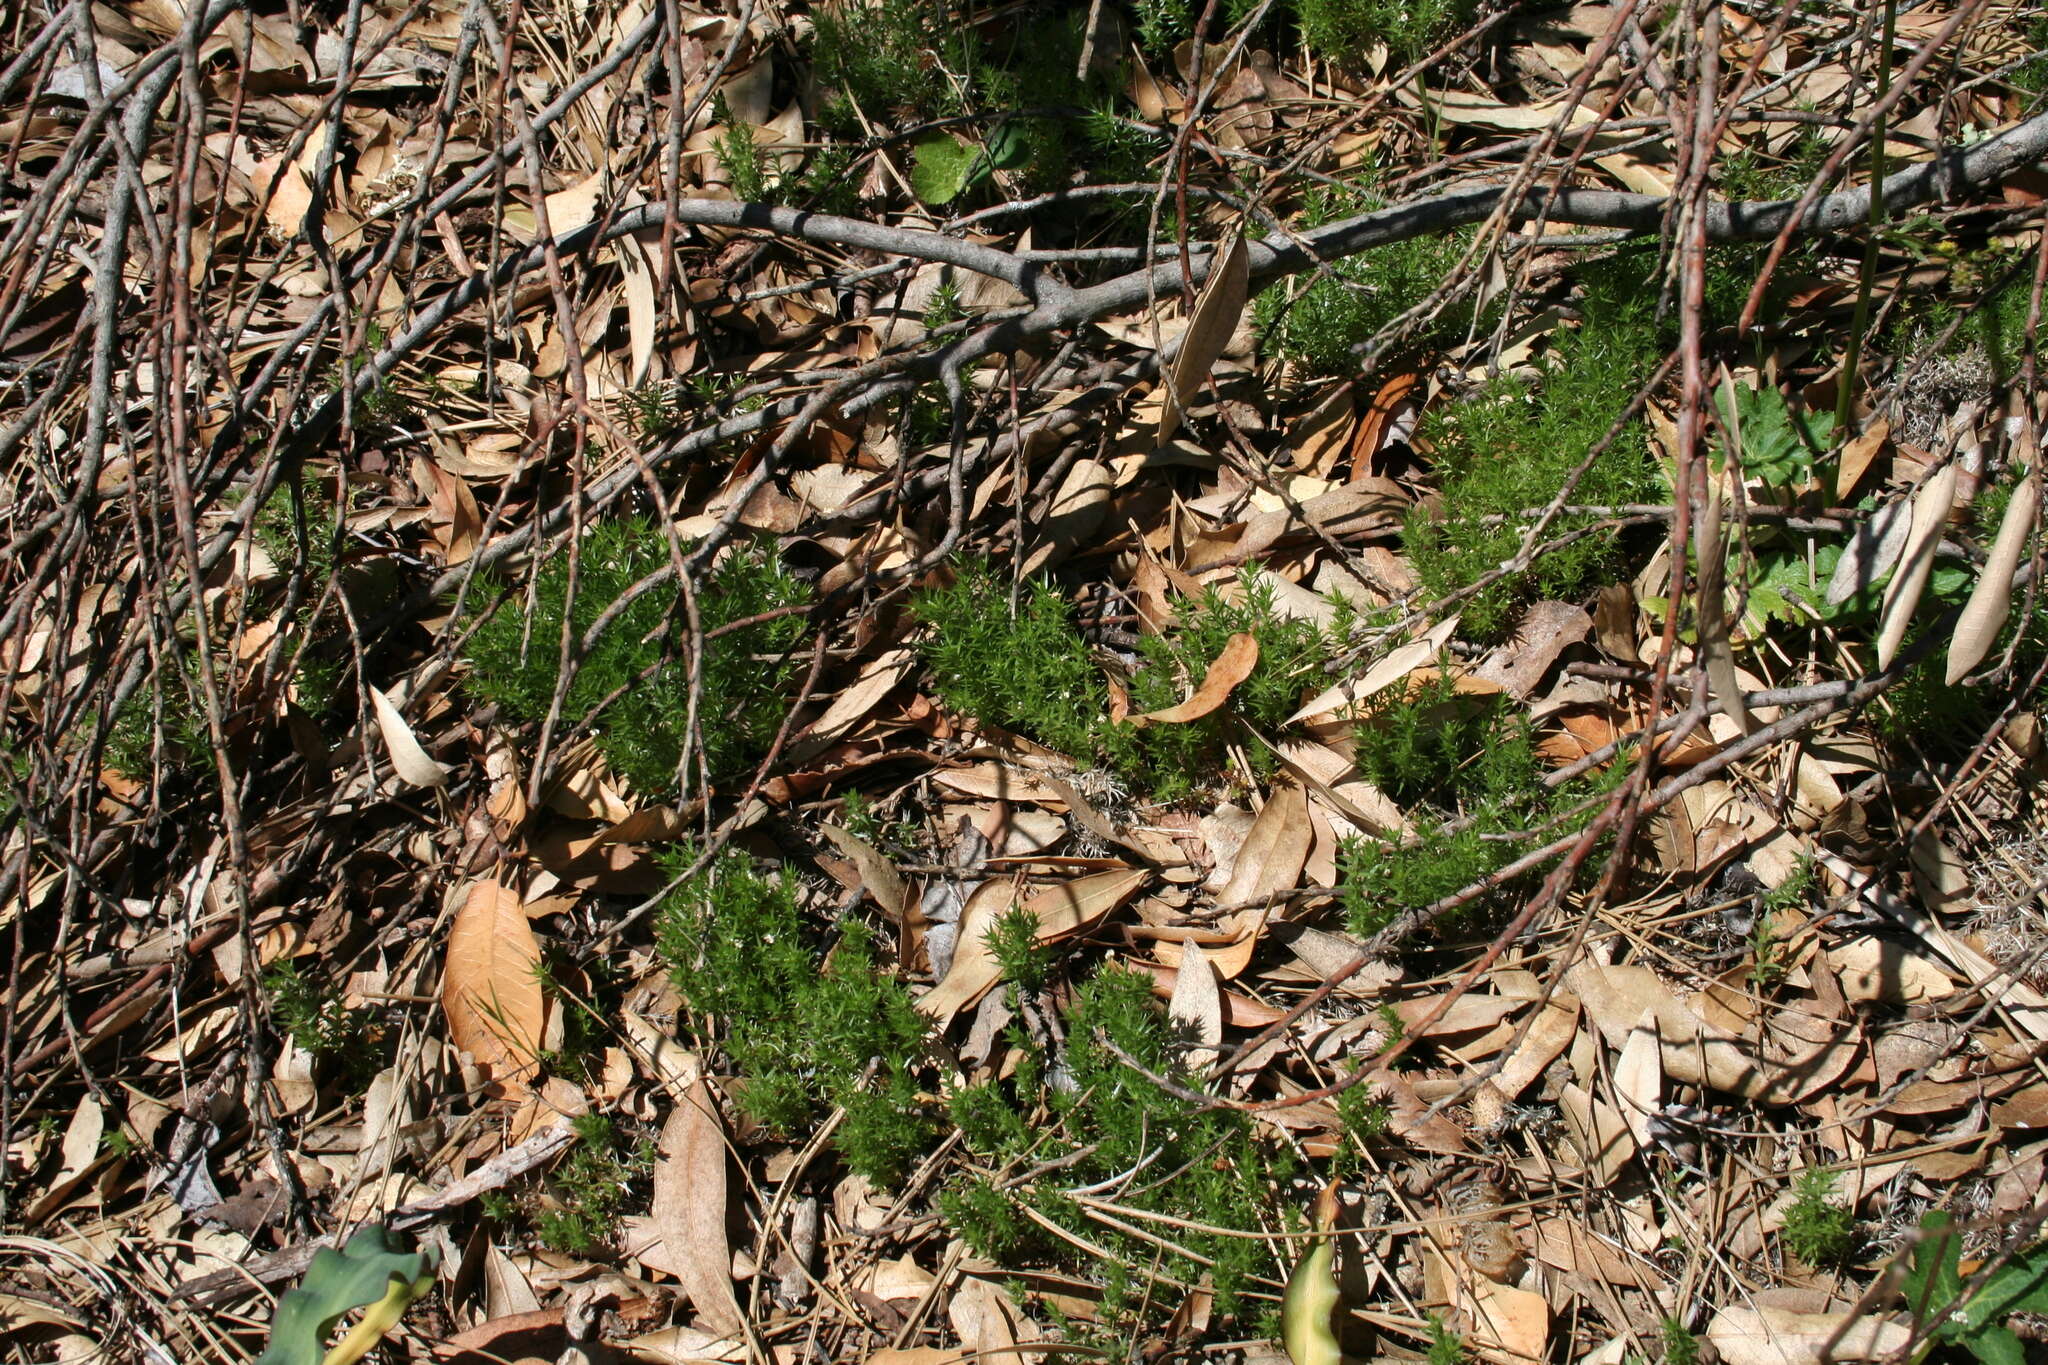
370	1272
1817	1229
1933	1284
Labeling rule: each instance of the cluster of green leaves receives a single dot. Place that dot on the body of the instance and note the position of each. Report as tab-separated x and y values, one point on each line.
745	673
1123	1132
889	58
1026	669
902	62
1818	1230
372	1272
1780	442
1291	652
1344	30
1320	323
1029	670
1770	959
1465	769
1934	1293
808	1025
314	1017
591	1188
1508	450
162	723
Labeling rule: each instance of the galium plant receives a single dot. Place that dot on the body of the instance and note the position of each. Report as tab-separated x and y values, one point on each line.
637	662
810	1021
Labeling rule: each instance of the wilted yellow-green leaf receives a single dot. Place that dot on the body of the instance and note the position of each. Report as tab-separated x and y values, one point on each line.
1307	1314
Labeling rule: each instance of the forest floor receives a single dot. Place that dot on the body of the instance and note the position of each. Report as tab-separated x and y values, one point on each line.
937	682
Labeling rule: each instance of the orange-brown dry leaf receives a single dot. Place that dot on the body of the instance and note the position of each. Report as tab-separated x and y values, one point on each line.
490	989
1239	657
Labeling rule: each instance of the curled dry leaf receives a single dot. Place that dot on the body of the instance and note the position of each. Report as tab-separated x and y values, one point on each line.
490	988
402	747
1984	615
1239	657
1930	512
1215	317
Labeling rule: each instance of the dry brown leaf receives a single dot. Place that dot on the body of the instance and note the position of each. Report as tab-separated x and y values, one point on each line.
1600	1133
1902	598
877	874
1239	657
1062	912
1215	318
1984	615
689	1207
1543	633
402	747
490	987
1383	674
1858	455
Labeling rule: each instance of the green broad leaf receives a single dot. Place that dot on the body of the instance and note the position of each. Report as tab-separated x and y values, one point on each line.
2018	1286
369	1270
1778	444
1996	1346
943	169
1932	1280
1008	148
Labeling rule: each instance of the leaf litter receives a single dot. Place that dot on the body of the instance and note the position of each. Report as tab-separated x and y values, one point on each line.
1344	907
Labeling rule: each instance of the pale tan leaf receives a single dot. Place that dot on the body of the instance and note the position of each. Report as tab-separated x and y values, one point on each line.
490	987
1984	615
402	747
1388	671
1274	850
1930	513
1768	1335
974	968
642	311
1239	657
1062	912
1871	552
689	1207
986	1322
1216	315
877	679
1639	1078
1197	1006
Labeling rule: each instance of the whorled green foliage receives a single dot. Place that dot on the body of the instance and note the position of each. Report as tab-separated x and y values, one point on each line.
1344	30
1465	770
1319	322
1506	452
1088	1105
746	673
1291	651
809	1023
1030	671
